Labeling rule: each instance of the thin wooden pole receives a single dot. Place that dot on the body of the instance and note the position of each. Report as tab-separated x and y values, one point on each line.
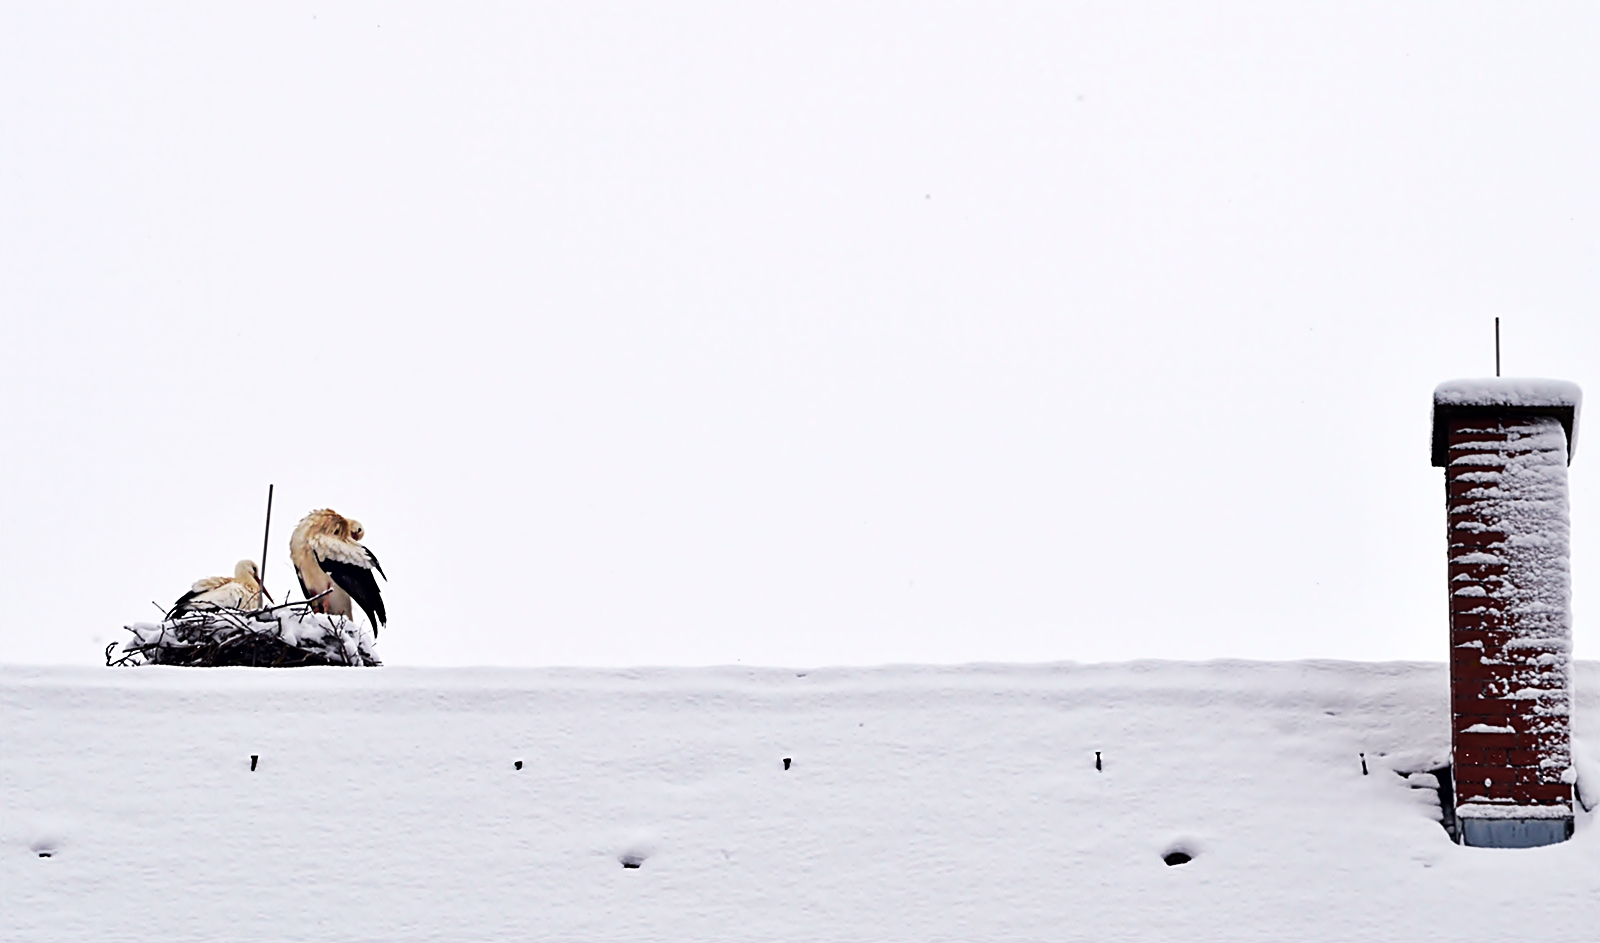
267	537
1496	346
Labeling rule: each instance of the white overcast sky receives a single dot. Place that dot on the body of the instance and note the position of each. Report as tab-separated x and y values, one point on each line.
784	333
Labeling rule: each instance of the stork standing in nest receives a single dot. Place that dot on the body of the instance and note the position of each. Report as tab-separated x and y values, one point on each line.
328	557
242	590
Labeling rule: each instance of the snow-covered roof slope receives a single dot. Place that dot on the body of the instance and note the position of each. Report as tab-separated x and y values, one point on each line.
919	803
1508	391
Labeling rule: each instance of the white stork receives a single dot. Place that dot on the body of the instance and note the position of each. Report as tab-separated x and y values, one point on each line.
328	558
242	590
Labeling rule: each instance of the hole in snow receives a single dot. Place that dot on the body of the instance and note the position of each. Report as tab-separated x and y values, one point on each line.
1441	783
1176	857
1446	790
786	761
517	764
46	854
632	849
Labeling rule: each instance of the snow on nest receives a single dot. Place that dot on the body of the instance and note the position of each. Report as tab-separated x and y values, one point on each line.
289	635
1508	391
920	803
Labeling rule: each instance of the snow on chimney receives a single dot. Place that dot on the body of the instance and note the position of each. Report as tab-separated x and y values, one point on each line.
1505	445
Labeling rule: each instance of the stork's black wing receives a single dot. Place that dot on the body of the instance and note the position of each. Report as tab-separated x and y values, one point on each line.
182	605
362	586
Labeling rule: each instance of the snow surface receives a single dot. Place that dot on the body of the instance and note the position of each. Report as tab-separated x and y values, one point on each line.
1508	391
922	803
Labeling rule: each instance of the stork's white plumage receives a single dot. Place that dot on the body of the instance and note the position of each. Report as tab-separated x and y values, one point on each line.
328	558
242	590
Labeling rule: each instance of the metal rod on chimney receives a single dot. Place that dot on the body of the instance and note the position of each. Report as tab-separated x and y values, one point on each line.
1496	346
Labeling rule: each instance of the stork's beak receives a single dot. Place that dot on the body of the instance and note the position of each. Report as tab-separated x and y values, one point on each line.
268	595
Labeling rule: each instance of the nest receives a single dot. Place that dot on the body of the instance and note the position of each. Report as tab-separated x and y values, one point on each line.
288	635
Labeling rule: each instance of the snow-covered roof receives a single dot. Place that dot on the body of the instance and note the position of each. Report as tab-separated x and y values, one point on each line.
1505	397
921	803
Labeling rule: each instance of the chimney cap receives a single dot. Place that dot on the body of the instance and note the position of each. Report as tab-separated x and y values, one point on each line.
1508	391
1504	398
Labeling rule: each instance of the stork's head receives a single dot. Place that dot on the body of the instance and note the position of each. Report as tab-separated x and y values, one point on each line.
331	522
326	521
246	572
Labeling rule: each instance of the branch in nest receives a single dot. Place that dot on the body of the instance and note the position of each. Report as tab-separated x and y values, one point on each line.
306	603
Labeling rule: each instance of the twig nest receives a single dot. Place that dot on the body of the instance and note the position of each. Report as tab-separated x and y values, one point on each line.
290	635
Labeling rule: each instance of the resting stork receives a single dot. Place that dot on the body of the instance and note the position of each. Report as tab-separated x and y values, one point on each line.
242	590
328	558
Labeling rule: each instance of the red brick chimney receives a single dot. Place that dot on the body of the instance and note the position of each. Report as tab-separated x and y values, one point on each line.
1505	445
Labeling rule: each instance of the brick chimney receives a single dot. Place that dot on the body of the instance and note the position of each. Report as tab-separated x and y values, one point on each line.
1505	445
